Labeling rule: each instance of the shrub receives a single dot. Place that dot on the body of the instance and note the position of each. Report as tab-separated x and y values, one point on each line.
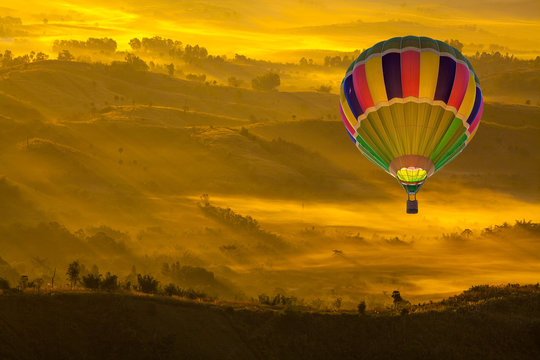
173	290
264	299
147	284
91	281
110	282
324	88
266	82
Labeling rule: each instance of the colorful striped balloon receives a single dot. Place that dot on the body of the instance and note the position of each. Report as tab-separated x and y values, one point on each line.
411	105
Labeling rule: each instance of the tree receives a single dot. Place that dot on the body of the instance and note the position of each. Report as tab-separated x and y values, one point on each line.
4	284
147	284
73	272
235	82
136	63
362	308
399	302
65	55
455	43
337	303
7	58
397	297
91	281
266	82
135	43
170	69
41	57
466	233
110	282
23	282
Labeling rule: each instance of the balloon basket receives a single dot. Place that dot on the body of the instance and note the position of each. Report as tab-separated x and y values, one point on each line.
412	206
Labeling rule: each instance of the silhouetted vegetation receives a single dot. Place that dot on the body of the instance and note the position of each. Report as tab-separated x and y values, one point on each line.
455	43
73	273
147	284
195	77
168	47
65	55
4	284
10	26
324	88
104	45
233	81
189	275
109	282
239	222
174	290
91	281
278	299
504	326
362	308
266	82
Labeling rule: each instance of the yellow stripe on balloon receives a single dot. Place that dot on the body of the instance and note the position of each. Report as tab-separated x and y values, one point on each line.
429	73
375	79
346	109
468	101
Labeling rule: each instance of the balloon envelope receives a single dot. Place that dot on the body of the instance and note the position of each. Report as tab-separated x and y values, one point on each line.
411	105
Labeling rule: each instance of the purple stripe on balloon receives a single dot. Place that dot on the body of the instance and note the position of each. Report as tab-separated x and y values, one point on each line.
391	64
445	80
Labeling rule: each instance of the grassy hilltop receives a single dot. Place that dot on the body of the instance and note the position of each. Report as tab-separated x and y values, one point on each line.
483	322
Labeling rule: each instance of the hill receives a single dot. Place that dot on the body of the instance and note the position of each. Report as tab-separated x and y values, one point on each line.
91	145
483	322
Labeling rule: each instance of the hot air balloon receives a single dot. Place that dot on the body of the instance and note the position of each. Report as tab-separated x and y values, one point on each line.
411	105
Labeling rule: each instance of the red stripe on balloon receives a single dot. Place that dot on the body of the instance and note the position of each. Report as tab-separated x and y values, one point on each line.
361	87
410	73
461	81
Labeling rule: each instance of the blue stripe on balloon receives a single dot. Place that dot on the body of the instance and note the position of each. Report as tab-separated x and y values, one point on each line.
445	80
391	63
476	107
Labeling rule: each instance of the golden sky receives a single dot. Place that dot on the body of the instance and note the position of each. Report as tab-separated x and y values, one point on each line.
280	30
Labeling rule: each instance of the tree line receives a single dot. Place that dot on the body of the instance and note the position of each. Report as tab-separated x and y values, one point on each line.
79	277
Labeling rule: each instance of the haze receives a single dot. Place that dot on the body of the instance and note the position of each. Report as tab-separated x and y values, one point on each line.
104	155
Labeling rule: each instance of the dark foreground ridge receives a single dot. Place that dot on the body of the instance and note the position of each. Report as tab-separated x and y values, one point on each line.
482	323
